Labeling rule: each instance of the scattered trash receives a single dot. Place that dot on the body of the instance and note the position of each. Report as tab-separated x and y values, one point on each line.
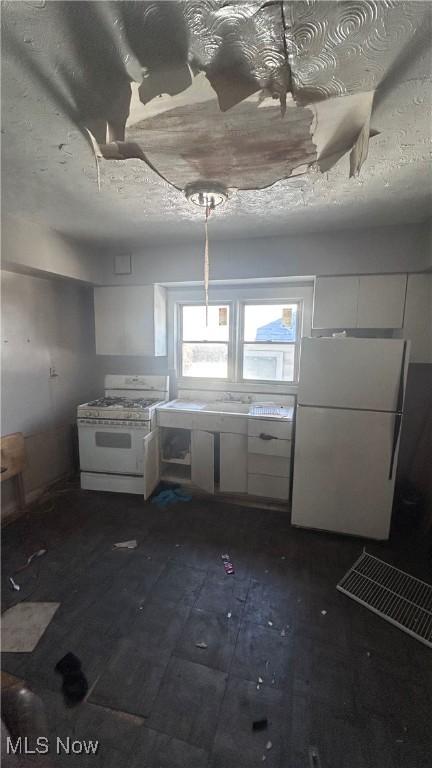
75	685
258	686
14	585
229	614
132	544
228	566
260	725
314	758
269	745
39	553
201	645
368	653
260	680
323	613
178	545
283	633
170	496
283	557
270	623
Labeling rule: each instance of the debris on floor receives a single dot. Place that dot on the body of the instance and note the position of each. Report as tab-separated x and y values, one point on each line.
170	496
314	758
23	625
323	613
392	594
201	645
228	566
260	725
229	614
269	745
75	685
131	544
32	557
13	584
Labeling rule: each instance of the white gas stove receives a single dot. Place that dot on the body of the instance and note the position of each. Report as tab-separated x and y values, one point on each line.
112	431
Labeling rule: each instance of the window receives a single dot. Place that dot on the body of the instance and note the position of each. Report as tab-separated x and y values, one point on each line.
270	341
246	340
205	350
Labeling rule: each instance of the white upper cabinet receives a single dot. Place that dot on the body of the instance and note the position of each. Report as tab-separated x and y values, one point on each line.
335	302
418	317
130	320
381	301
359	301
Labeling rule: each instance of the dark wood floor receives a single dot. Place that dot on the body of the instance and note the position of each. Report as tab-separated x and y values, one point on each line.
343	681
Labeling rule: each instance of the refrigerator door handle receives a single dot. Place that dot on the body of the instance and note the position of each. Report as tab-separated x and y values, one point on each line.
396	432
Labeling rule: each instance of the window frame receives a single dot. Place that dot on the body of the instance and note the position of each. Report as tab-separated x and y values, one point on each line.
230	343
241	340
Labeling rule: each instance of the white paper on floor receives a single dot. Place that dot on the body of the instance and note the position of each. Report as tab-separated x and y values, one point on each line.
23	625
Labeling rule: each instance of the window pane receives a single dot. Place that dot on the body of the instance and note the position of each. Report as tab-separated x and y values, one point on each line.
270	322
205	360
273	362
194	323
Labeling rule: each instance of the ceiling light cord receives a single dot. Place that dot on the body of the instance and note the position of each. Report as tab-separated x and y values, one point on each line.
206	262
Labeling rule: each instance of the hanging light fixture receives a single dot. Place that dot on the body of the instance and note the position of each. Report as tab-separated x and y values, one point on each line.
208	196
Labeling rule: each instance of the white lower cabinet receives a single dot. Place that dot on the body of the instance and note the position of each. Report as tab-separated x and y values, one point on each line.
233	463
253	458
202	459
151	462
270	487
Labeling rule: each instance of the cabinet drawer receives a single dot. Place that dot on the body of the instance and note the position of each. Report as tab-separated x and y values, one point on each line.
270	487
276	466
280	429
272	447
175	419
209	422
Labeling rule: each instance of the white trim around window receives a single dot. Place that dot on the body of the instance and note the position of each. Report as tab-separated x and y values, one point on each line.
237	297
242	342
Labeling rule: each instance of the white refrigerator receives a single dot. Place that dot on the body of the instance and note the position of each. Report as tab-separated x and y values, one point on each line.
348	424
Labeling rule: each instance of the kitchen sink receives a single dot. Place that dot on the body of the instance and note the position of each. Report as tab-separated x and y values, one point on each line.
223	406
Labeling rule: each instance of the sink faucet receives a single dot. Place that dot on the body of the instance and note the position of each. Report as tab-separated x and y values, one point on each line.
232	398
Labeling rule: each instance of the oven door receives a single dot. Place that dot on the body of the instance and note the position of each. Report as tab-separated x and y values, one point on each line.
115	448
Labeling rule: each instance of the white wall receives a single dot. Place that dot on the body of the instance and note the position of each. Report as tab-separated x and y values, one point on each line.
46	323
32	248
384	249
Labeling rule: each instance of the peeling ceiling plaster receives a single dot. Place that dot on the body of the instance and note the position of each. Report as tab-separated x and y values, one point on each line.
50	54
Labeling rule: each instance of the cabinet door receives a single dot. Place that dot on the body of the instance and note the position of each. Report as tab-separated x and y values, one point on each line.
418	317
335	302
381	301
233	463
202	460
151	462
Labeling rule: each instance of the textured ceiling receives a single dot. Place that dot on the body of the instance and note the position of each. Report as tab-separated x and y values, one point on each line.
231	70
